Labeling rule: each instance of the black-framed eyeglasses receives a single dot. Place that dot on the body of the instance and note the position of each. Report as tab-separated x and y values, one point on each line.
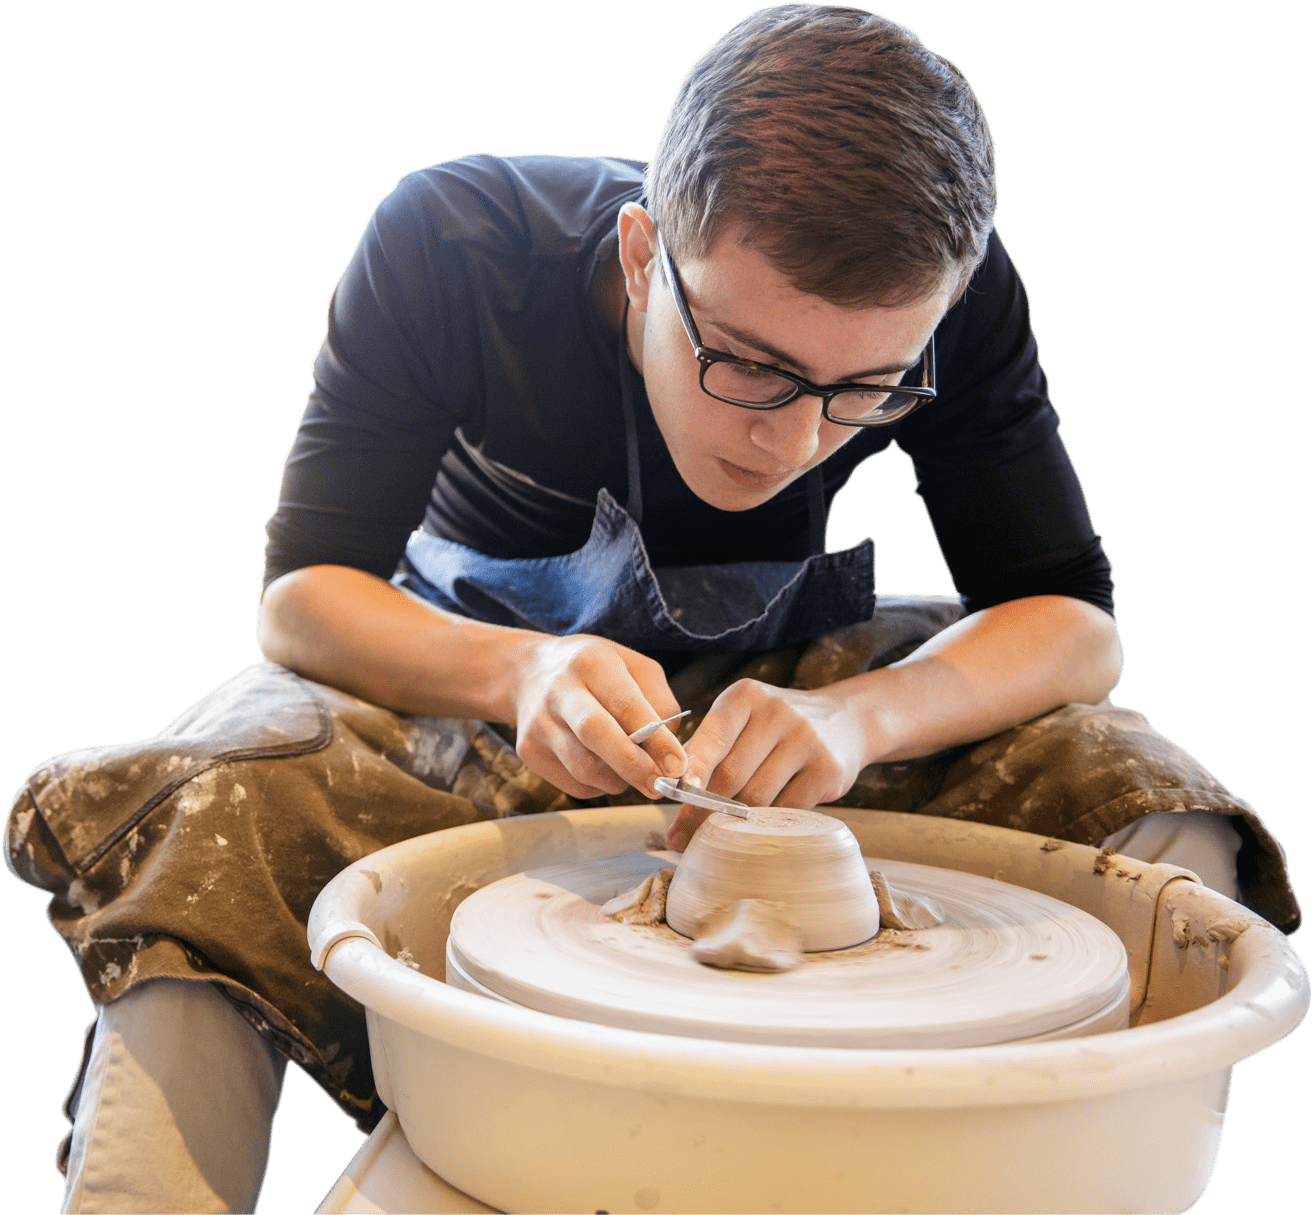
753	385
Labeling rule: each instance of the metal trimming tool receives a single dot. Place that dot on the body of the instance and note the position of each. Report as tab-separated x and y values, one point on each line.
680	791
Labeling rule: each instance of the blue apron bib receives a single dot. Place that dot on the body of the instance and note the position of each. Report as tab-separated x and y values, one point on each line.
610	589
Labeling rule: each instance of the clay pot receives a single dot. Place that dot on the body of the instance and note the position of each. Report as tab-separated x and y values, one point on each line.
807	862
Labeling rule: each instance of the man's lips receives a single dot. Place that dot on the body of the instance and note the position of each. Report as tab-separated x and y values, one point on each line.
750	479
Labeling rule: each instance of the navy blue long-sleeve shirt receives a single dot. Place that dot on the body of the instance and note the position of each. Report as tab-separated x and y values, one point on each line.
468	385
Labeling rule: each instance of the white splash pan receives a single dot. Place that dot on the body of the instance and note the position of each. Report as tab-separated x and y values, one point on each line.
526	1111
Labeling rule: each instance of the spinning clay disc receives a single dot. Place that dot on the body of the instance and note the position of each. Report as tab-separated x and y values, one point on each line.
1005	964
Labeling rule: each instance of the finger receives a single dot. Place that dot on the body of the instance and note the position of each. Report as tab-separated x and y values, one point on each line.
772	774
687	821
592	771
607	739
557	756
650	677
586	766
643	733
803	792
738	773
666	752
714	738
555	774
663	745
799	775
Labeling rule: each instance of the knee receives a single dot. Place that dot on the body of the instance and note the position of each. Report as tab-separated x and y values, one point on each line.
1205	843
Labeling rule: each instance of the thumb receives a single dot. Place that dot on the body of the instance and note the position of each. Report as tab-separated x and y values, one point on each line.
666	752
686	823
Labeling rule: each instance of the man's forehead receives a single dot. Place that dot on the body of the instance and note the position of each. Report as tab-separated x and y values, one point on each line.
736	290
736	244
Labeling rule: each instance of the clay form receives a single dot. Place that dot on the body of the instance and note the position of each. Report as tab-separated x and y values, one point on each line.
749	935
645	903
901	910
805	861
541	939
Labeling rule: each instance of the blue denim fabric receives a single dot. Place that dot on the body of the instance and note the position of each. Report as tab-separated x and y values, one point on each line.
610	589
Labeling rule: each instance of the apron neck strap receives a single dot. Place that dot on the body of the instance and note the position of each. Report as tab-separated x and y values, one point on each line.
816	511
634	504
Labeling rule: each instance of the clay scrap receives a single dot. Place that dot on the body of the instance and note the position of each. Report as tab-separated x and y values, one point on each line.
900	910
1103	861
645	904
749	934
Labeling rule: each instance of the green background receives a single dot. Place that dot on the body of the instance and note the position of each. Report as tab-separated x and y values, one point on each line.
184	184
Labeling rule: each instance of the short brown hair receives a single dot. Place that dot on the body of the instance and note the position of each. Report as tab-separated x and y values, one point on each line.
859	162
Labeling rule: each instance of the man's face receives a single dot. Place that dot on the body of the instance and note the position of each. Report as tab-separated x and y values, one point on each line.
735	458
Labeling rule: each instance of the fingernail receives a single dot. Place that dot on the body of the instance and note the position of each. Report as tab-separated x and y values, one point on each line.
695	781
672	765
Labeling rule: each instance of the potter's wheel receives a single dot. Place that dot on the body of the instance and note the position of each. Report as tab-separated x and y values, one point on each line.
1007	964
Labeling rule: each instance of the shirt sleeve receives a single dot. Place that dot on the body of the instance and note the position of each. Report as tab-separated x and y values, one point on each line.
388	395
1001	492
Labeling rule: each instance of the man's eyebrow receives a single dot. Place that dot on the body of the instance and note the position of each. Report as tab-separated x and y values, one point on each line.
748	338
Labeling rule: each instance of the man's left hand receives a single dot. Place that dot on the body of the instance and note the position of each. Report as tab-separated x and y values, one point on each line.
765	745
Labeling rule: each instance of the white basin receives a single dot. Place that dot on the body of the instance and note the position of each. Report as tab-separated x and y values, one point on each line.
526	1111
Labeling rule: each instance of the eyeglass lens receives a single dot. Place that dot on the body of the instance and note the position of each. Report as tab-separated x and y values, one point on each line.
757	386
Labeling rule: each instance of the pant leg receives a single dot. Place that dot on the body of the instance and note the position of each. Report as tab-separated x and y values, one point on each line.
175	1107
198	854
1207	844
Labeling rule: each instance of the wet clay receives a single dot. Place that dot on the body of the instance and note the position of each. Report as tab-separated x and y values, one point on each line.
750	934
901	910
644	904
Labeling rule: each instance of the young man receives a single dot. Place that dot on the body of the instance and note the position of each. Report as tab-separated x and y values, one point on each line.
805	275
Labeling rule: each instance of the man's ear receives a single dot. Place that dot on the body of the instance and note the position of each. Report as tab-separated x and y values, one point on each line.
638	259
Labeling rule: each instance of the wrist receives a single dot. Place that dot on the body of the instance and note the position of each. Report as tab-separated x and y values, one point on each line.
872	702
499	663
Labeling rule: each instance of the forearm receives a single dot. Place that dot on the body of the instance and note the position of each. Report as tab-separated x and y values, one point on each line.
350	629
987	673
573	700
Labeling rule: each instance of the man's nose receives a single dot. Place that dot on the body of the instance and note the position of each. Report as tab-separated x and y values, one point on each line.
789	434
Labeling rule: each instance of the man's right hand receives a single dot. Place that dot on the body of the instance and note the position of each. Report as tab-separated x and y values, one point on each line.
577	699
573	700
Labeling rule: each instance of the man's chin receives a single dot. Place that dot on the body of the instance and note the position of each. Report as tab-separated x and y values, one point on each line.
731	487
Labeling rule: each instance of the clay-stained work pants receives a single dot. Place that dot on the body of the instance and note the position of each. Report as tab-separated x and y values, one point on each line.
196	855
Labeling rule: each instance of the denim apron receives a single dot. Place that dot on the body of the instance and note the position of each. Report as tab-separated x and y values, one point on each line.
609	587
